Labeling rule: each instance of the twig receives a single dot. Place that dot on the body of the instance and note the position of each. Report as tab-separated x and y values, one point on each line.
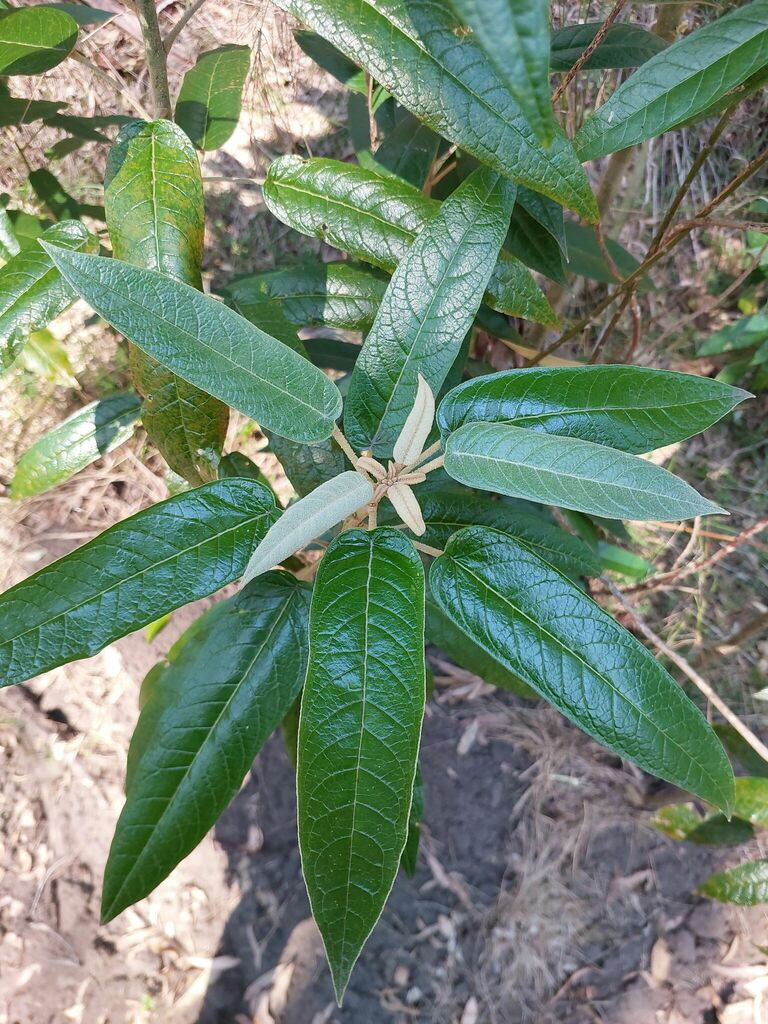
588	51
173	34
733	719
426	549
146	12
344	444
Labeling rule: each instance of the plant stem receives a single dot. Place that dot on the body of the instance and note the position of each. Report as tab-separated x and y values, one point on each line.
146	12
589	50
344	444
426	549
174	33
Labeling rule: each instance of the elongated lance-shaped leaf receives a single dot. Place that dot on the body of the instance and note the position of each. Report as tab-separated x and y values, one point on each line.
32	291
680	82
427	310
412	439
410	854
623	46
376	218
310	517
585	256
207	344
211	712
156	219
408	151
337	294
75	443
546	630
625	407
209	102
359	733
570	473
35	39
170	554
417	50
514	34
745	885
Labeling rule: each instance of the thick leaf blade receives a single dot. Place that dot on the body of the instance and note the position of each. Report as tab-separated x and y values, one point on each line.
168	555
75	443
208	345
208	105
626	407
309	518
376	219
427	310
32	291
680	82
359	733
212	711
623	46
539	625
156	220
569	473
418	51
35	39
746	885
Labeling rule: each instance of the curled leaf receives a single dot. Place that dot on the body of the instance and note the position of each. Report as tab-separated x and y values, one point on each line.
410	444
407	507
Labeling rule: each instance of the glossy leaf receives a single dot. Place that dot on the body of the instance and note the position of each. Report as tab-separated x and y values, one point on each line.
745	885
168	555
238	465
534	246
309	518
156	220
376	219
359	733
625	407
514	34
427	310
208	105
410	853
408	151
208	345
542	627
75	443
570	473
32	291
680	82
34	39
418	51
218	703
623	46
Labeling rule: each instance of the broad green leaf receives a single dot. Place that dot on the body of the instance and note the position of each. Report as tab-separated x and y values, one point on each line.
427	310
534	246
680	83
745	333
684	822
218	703
83	14
625	563
309	518
359	733
738	747
208	105
27	228
32	291
168	555
418	51
625	407
542	627
752	800
238	465
208	345
307	465
514	34
570	473
332	60
745	885
75	443
410	853
408	151
584	256
34	39
156	220
623	46
376	218
337	294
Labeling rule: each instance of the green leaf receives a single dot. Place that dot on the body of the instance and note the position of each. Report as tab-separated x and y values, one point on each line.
585	257
309	518
625	563
332	353
534	246
410	853
307	465
745	885
683	822
542	627
15	110
32	291
752	800
514	34
626	407
34	39
418	51
83	13
570	473
212	711
238	465
427	310
46	357
408	151
680	82
359	733
376	218
159	559
156	220
738	747
332	60
208	345
623	46
75	443
208	105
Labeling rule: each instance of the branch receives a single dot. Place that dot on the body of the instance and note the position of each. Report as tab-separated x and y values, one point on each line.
174	33
155	54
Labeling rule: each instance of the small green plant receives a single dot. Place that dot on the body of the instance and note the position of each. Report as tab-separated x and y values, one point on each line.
423	497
